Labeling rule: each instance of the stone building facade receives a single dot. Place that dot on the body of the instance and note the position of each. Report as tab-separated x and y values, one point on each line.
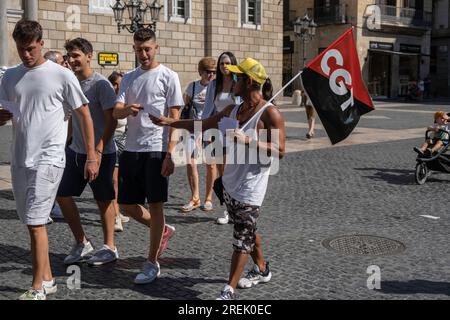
187	30
393	38
440	49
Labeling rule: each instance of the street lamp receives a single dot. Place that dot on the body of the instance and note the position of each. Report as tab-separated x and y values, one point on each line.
305	29
136	13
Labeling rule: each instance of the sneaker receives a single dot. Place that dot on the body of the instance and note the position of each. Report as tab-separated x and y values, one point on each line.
227	294
118	224
49	287
103	256
225	219
49	220
149	273
123	218
56	212
33	294
169	231
78	252
254	277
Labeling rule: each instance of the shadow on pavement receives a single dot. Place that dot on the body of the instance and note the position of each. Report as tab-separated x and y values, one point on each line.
118	275
415	287
392	176
400	176
8	214
7	195
188	219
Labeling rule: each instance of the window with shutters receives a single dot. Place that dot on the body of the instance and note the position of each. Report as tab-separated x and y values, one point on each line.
178	11
251	13
101	6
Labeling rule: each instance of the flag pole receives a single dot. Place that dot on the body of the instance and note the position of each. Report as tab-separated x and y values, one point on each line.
286	85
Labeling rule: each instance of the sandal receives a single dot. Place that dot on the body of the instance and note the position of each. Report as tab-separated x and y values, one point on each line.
207	206
309	135
192	205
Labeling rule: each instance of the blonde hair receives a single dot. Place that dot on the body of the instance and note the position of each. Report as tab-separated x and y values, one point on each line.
439	114
207	63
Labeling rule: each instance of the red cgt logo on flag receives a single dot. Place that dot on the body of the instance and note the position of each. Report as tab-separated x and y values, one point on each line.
335	87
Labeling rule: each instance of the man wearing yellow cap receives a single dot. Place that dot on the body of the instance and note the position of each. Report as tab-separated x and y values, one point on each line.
245	183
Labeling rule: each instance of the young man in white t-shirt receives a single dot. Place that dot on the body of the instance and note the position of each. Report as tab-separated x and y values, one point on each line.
146	163
40	94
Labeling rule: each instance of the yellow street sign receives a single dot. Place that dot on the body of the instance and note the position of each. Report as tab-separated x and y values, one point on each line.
108	58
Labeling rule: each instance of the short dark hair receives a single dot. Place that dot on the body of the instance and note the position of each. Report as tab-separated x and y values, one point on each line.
144	34
79	44
114	76
27	31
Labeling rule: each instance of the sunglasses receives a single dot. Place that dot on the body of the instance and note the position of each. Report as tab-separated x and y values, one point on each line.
210	71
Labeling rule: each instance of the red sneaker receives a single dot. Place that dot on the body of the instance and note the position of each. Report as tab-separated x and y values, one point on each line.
169	231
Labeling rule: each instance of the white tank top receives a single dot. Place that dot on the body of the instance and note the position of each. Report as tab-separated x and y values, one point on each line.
246	183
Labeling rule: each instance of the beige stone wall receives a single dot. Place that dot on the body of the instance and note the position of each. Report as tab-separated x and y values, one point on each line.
265	44
182	44
58	19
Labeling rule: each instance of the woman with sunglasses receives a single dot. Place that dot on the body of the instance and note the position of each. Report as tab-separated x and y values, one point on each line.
218	96
194	99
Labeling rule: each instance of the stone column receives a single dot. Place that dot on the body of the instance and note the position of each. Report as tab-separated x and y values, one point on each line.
3	34
31	9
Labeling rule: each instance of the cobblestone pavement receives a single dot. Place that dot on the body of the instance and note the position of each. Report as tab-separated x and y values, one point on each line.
364	187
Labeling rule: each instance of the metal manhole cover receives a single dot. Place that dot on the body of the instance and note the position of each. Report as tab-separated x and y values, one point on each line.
364	245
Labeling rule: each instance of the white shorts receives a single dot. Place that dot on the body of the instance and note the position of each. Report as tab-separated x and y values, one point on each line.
35	192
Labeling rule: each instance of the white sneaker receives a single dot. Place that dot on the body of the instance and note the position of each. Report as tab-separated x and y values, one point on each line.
124	219
149	273
103	256
33	294
227	294
78	252
225	219
49	220
118	224
56	212
254	277
49	287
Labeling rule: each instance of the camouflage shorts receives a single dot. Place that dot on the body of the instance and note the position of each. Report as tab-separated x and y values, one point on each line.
244	218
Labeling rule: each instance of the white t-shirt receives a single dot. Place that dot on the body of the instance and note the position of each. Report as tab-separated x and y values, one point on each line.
45	96
156	90
223	100
199	97
215	104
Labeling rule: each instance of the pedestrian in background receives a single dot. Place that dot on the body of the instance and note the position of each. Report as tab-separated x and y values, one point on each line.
218	96
120	136
194	99
310	115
